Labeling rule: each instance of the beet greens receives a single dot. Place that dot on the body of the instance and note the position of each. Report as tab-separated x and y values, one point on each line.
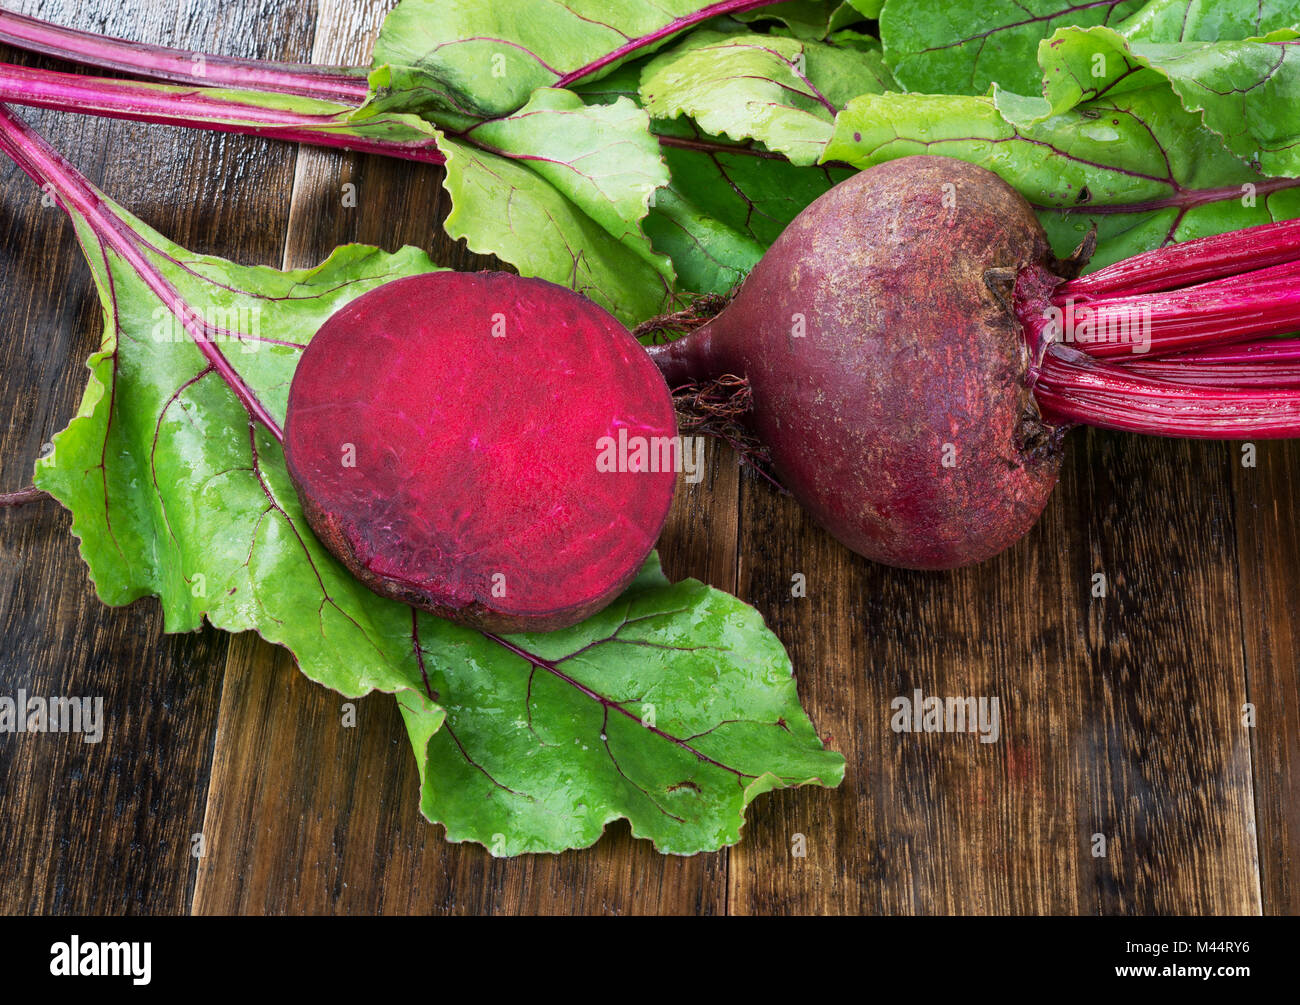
673	707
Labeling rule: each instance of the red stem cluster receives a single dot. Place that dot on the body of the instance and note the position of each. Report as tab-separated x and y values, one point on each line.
1180	341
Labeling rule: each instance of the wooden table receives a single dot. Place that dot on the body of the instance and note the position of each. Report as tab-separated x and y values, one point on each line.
1123	715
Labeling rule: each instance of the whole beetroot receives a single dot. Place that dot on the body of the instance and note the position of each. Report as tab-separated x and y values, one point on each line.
890	381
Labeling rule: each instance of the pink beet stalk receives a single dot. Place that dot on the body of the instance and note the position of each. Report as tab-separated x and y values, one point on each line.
331	83
1286	375
1266	352
46	166
1179	265
1267	363
250	112
1180	341
234	112
1253	304
1177	341
1075	389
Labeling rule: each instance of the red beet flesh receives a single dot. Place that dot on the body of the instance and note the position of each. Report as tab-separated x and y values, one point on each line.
443	434
890	382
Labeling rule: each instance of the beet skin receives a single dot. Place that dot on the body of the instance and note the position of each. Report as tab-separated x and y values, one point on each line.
443	434
889	381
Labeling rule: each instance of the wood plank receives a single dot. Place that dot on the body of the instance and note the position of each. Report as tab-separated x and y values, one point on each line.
1269	546
1164	755
107	827
306	816
1121	715
1118	714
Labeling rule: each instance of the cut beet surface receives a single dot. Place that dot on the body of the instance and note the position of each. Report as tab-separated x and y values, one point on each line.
444	431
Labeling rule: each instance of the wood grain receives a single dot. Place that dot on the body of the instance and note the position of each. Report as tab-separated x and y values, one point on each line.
1121	714
107	827
1269	549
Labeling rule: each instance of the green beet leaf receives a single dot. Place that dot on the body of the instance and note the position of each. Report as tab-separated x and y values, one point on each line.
725	205
726	201
578	190
559	190
1136	165
1234	63
782	92
485	59
176	493
867	8
673	708
1247	91
1208	20
962	48
811	19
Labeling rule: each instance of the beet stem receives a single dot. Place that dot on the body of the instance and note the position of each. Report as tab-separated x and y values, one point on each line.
1189	330
1258	303
211	109
1206	258
22	497
1263	351
1225	375
185	106
1074	388
332	83
1266	363
46	166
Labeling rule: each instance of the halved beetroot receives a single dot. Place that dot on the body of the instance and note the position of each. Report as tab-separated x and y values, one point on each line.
444	432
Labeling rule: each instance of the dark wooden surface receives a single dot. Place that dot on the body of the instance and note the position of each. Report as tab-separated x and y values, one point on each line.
1122	714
